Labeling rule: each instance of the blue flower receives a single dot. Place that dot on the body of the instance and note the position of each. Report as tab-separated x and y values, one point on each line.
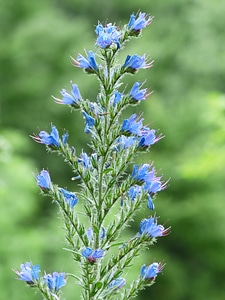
142	21
131	125
28	273
117	283
70	197
151	271
51	140
134	62
89	122
154	186
124	142
65	137
74	98
136	93
88	64
95	108
147	138
143	174
84	160
106	36
117	97
92	255
43	180
102	233
134	191
55	281
150	202
150	228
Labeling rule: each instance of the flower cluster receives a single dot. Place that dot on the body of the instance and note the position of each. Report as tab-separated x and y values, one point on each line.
103	182
30	274
144	135
108	35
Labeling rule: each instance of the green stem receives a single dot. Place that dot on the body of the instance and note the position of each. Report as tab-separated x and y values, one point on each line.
72	161
68	215
123	260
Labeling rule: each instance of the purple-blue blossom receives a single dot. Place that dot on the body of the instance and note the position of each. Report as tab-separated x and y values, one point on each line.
124	142
92	255
138	94
134	191
106	36
55	281
69	197
85	160
151	228
140	22
155	185
28	272
117	283
135	62
49	139
132	125
88	64
73	98
65	137
148	138
151	271
150	202
90	122
43	180
117	97
143	173
95	108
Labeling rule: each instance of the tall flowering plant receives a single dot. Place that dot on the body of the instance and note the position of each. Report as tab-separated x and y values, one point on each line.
104	178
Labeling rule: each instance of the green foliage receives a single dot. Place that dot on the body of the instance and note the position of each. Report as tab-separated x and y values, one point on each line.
185	40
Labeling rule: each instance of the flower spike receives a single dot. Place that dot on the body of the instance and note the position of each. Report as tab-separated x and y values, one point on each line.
110	193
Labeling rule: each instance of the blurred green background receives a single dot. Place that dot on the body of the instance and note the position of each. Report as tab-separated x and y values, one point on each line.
186	41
